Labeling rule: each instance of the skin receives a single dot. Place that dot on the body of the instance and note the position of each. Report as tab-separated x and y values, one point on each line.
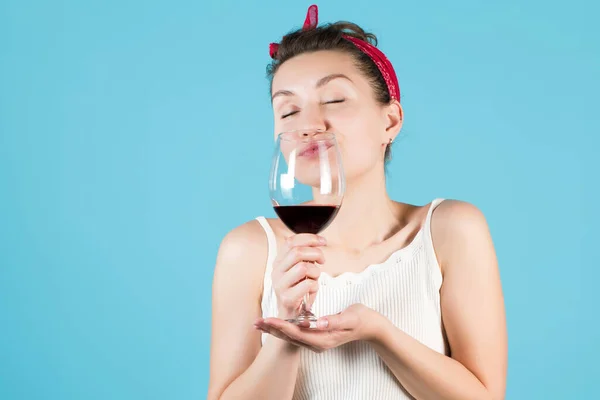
471	294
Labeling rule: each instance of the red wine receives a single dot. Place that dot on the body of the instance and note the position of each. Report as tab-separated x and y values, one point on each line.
306	219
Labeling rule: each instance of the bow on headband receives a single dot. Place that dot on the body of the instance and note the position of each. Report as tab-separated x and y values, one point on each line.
381	61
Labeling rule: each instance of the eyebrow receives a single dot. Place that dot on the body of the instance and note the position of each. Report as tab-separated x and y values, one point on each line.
320	83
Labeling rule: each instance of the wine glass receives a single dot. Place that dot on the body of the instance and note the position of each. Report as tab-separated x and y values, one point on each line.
307	186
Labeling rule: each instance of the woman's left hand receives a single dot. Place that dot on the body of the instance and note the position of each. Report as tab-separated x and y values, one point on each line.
357	322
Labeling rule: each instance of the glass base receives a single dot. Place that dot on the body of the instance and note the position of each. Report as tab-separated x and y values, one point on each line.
305	320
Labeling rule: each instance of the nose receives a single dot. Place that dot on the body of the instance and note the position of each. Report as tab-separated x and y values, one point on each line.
312	120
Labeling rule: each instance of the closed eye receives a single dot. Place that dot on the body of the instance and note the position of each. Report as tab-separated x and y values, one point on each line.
327	102
288	114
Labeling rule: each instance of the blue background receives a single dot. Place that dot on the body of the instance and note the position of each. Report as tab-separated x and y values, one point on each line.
135	134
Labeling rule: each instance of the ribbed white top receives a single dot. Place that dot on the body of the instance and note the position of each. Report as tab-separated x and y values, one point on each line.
405	288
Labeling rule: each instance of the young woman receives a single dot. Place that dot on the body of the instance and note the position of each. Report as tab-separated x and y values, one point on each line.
429	323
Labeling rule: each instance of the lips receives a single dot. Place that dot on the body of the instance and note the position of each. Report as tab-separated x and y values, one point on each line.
312	149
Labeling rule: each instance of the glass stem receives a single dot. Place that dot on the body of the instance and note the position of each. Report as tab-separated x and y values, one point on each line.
304	306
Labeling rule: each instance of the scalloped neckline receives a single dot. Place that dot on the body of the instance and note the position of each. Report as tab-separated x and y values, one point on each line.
397	255
354	277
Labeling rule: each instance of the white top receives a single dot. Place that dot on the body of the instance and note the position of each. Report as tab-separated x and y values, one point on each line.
405	288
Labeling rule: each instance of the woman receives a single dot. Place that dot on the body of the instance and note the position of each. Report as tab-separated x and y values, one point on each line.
434	326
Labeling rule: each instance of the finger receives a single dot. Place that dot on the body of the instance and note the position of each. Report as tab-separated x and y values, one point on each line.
299	254
280	335
296	333
298	291
298	273
303	324
283	329
276	323
340	321
305	239
277	333
312	295
313	271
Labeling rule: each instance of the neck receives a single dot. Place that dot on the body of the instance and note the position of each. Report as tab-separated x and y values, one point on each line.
367	215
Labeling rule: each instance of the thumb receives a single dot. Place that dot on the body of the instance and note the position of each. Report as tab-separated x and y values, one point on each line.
340	321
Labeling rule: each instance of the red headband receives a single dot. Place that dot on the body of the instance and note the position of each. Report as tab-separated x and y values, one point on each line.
381	61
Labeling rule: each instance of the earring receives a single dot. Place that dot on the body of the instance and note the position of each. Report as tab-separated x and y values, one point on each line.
388	150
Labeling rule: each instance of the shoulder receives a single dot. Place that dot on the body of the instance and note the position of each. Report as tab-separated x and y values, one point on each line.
458	227
241	260
247	240
247	236
458	215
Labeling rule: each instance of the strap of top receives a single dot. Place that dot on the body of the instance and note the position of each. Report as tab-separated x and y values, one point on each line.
433	206
272	243
429	248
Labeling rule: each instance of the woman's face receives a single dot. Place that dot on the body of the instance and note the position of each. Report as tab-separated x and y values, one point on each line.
324	90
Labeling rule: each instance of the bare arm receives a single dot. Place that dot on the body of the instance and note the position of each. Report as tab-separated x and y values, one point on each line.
239	367
473	314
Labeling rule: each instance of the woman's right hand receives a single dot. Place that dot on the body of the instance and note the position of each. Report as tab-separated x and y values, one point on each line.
296	274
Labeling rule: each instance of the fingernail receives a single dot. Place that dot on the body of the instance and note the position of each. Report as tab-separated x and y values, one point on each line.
322	323
322	240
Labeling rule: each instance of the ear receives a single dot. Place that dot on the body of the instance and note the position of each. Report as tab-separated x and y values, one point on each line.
394	116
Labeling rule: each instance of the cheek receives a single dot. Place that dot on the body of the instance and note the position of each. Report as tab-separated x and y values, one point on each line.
361	133
356	119
361	147
360	153
361	150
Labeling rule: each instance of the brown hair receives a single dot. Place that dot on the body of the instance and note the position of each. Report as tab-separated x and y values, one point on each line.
329	37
